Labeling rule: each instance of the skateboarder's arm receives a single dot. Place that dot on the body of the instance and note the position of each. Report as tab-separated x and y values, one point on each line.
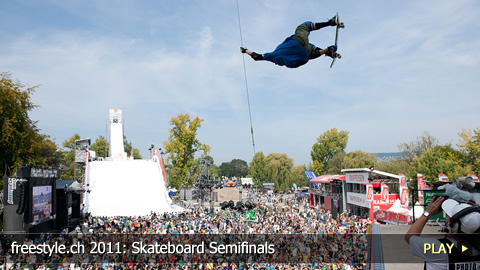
254	55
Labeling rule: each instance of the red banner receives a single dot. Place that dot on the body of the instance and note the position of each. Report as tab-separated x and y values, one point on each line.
328	203
392	217
404	197
402	180
384	192
421	183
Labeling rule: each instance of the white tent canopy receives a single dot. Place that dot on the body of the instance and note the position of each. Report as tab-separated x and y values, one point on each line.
418	211
246	181
396	208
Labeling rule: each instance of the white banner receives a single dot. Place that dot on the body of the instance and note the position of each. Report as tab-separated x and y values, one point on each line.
357	199
357	178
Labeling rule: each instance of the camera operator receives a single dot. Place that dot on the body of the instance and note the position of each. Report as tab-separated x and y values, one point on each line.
463	222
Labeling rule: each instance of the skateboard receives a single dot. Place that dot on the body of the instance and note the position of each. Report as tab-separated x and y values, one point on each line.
339	25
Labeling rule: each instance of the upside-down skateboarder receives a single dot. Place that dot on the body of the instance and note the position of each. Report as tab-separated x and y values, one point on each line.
296	50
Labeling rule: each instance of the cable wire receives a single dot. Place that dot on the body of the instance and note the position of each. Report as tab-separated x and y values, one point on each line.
246	81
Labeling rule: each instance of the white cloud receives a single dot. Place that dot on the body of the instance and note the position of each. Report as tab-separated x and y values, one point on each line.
405	69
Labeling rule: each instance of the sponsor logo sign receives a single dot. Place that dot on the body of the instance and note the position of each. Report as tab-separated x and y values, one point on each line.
357	178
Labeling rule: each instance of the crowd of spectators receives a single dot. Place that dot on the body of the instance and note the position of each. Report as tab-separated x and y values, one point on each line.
333	244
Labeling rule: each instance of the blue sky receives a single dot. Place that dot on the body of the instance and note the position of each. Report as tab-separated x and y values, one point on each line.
407	67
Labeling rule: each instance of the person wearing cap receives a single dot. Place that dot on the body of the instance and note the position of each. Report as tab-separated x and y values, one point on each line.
463	221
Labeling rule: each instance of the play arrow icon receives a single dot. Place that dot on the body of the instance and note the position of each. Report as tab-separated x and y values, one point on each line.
464	248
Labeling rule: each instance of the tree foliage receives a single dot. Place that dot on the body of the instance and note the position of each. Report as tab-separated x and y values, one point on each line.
359	159
440	159
181	147
299	177
336	163
69	157
469	145
100	146
18	131
393	165
129	149
415	148
327	146
280	171
258	169
236	167
44	151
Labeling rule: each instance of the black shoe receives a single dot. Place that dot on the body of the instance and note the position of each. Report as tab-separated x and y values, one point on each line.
243	50
333	21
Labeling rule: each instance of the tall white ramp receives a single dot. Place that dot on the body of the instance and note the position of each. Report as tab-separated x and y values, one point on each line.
115	125
126	188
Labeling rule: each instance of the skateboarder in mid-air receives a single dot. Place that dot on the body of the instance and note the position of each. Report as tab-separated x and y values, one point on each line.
296	50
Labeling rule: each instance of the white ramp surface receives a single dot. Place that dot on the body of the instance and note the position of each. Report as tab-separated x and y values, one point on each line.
126	188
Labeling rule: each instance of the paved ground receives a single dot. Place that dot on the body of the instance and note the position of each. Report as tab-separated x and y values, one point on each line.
395	249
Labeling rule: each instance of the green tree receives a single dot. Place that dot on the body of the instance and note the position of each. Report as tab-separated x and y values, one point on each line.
415	148
44	151
18	131
299	177
258	169
236	167
69	156
100	146
336	163
279	170
469	145
327	146
393	165
129	148
181	147
440	159
359	159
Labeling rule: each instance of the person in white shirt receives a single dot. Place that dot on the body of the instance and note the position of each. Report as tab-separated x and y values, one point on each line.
463	221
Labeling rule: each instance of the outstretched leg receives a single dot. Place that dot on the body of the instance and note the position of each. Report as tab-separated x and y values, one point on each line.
319	25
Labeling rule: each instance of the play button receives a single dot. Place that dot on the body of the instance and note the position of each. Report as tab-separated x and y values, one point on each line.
464	248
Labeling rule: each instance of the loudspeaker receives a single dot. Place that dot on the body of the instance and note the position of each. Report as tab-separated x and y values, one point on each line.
24	172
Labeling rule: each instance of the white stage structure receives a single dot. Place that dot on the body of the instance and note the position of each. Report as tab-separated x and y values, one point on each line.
121	186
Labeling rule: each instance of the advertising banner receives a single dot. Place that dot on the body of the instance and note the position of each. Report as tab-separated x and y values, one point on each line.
404	197
251	216
420	184
427	198
392	217
442	177
357	178
475	178
357	199
402	180
384	193
310	175
369	195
